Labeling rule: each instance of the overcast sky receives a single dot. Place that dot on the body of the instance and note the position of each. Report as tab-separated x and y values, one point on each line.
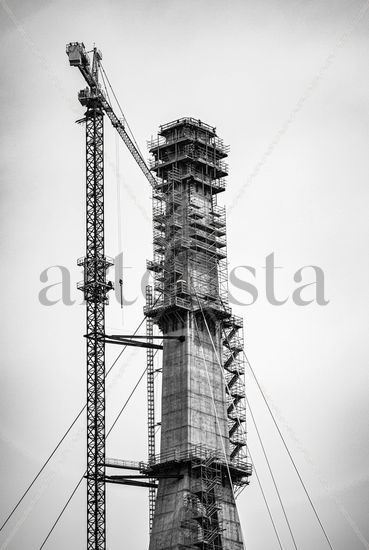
286	84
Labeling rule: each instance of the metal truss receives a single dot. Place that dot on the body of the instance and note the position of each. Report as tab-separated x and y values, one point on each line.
95	288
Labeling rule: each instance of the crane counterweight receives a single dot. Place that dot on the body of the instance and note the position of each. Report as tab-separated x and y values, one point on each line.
77	54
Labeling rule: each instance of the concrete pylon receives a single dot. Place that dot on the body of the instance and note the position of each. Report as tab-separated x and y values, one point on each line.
202	458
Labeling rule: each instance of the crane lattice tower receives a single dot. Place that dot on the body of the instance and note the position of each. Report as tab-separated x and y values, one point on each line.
202	461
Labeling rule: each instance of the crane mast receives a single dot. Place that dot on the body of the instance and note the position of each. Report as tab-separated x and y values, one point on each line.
95	286
95	289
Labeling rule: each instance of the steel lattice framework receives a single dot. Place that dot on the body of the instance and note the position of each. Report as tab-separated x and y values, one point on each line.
95	275
95	290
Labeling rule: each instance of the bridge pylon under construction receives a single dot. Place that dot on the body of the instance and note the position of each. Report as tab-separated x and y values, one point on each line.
203	460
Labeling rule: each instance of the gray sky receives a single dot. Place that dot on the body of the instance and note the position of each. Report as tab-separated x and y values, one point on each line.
286	84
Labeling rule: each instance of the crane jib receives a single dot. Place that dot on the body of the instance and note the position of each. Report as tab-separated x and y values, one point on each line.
78	57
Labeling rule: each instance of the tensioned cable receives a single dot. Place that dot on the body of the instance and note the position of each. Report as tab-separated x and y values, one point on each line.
80	481
63	438
265	499
289	454
105	86
119	213
271	474
121	110
107	435
126	403
63	510
286	447
276	488
258	434
119	218
42	469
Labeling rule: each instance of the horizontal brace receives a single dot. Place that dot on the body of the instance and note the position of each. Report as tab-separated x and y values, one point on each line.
124	467
180	338
137	476
132	343
131	482
142	467
148	475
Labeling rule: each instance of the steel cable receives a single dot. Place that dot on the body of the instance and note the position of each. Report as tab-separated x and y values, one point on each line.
61	440
289	454
80	481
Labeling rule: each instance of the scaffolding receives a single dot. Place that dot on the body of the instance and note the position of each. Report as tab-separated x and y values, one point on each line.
203	527
190	253
190	281
190	249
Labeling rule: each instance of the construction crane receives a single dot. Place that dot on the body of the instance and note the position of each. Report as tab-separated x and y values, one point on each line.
78	57
95	286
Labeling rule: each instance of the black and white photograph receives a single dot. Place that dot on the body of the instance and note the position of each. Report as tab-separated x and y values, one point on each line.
184	272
